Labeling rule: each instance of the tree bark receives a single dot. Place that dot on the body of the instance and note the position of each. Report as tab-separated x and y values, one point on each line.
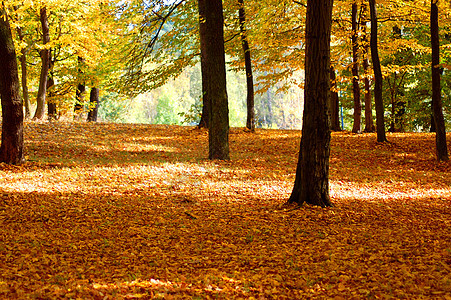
93	105
440	134
206	102
212	41
379	101
45	58
369	123
250	122
11	149
356	128
312	174
334	102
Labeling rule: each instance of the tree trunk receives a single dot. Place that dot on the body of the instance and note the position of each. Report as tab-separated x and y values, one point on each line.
206	102
79	101
52	113
93	105
80	92
23	68
250	122
355	71
379	101
11	149
440	134
45	58
312	174
334	102
212	41
369	123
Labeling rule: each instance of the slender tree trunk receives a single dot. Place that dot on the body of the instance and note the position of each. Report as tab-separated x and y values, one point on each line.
379	101
23	68
206	102
334	102
312	174
355	71
93	105
80	92
369	123
45	58
214	58
11	149
440	135
250	122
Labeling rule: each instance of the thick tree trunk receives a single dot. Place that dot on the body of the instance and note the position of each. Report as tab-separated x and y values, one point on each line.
356	128
93	105
379	102
440	135
212	41
206	102
250	122
334	102
11	149
45	58
312	174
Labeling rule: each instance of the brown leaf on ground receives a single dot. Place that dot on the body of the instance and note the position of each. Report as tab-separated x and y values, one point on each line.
114	211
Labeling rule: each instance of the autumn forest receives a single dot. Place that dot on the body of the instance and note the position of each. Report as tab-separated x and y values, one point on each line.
236	149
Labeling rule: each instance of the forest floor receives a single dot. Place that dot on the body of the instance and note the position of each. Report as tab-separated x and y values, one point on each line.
114	211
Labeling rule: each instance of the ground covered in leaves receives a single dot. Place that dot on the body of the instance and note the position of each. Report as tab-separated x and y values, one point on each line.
108	211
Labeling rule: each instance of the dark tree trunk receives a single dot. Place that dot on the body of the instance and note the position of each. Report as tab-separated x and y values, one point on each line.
378	100
250	122
212	41
80	92
23	68
433	127
52	113
45	58
206	102
312	174
79	100
369	123
334	102
440	134
11	149
356	128
93	105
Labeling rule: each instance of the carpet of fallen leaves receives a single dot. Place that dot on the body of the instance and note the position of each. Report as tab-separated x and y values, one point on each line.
111	211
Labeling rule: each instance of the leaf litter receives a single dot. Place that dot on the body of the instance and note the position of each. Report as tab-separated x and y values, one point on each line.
120	211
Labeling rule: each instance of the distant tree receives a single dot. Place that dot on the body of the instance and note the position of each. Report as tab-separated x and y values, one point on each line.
206	102
250	122
369	123
379	101
45	60
212	52
312	174
356	128
11	149
440	135
334	102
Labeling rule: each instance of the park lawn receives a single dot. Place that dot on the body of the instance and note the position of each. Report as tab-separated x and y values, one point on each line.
122	211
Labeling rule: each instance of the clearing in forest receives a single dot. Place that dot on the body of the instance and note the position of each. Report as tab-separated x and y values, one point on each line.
111	211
